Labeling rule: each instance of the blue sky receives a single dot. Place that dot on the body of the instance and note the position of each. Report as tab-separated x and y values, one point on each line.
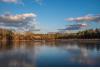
51	14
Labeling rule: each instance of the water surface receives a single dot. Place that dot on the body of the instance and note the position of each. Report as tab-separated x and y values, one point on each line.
49	54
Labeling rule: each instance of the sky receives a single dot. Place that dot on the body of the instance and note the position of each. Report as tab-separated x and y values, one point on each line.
48	15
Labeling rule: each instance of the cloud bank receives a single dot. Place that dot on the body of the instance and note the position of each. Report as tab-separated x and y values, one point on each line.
75	27
21	22
87	18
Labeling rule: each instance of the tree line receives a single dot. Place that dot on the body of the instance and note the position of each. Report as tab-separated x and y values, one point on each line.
6	35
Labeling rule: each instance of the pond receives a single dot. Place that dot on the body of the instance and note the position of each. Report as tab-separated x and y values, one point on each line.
49	54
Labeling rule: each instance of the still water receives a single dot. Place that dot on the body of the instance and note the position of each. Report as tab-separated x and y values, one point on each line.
49	54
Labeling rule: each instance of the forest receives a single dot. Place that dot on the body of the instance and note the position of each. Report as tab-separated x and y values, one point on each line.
8	35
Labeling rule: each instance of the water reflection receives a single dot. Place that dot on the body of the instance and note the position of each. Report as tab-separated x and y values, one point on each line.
63	53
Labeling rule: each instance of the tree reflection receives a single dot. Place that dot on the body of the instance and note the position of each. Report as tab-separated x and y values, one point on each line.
16	53
24	53
5	45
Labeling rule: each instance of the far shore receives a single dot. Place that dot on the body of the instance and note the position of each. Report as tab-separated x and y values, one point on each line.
78	39
61	40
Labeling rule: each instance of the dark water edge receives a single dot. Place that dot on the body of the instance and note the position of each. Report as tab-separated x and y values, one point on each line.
60	53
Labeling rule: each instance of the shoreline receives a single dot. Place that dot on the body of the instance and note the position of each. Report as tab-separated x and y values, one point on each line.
79	39
56	40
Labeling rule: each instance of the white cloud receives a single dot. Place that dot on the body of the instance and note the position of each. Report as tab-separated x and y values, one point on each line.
24	22
87	18
38	1
7	18
13	1
9	1
21	1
